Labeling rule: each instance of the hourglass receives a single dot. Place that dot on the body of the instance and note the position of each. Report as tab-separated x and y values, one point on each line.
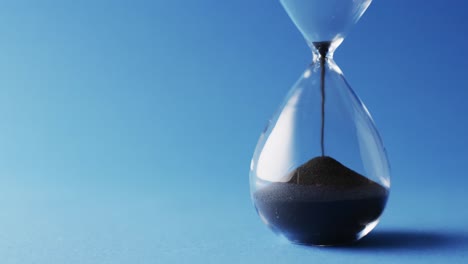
320	174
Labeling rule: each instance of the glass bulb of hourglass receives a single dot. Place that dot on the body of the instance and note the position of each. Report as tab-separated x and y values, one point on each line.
320	174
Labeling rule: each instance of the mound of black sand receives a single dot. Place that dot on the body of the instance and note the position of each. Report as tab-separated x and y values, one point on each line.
323	203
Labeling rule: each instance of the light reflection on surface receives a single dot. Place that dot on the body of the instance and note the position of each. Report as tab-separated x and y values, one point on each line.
276	155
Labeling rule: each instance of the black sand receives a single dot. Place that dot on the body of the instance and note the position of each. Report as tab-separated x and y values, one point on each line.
323	203
322	47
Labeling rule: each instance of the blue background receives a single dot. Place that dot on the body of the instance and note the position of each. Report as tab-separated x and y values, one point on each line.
127	128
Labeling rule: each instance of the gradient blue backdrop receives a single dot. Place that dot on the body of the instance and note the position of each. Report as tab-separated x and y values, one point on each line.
127	128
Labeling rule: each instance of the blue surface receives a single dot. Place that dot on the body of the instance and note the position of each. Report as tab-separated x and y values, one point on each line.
127	129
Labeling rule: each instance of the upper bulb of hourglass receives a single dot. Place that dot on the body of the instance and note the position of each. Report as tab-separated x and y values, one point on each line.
325	20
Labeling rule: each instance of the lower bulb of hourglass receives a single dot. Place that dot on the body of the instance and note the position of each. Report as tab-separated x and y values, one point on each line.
322	195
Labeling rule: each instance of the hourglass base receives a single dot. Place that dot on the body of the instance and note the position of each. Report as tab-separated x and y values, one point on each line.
315	214
332	239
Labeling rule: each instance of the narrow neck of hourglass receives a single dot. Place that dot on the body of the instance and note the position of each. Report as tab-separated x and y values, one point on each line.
318	57
323	50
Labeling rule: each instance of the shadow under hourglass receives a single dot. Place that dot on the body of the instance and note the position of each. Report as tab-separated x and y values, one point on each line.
407	240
